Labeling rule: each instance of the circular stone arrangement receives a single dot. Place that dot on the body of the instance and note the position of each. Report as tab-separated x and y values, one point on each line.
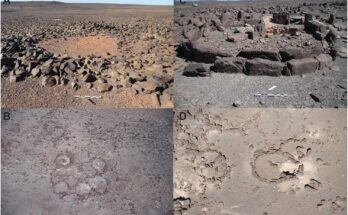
77	181
101	56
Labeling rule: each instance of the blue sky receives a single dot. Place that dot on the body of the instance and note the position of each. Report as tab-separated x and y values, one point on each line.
144	2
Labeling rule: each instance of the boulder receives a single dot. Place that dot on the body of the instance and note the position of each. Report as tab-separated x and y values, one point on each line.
281	18
205	54
302	66
260	66
314	26
229	65
325	60
290	53
196	70
264	54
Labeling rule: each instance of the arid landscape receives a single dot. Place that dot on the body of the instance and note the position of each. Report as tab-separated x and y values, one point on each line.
86	55
84	162
261	54
260	161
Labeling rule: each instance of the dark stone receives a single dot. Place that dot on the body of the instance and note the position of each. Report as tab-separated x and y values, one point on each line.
332	19
264	54
229	65
260	66
196	70
240	15
281	18
201	53
9	62
299	53
89	78
314	97
302	66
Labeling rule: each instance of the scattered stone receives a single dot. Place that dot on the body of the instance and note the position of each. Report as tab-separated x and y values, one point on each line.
148	86
35	72
74	85
102	88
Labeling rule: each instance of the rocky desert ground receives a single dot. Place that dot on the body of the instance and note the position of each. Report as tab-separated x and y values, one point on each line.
80	162
261	54
84	55
260	161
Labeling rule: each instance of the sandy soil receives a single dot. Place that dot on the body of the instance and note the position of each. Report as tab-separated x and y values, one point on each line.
260	161
87	162
82	46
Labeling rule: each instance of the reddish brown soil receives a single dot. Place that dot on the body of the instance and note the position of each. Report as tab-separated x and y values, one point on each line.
82	46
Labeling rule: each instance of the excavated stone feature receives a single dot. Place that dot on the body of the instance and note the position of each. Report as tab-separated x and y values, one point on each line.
280	31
